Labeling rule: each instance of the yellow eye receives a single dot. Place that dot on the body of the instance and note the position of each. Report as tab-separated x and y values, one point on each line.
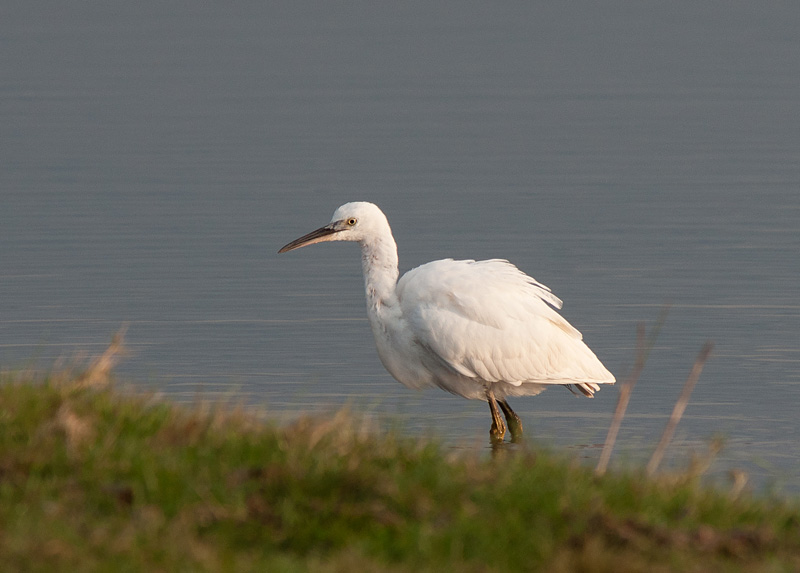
351	221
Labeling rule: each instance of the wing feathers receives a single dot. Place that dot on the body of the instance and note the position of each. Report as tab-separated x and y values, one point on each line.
488	320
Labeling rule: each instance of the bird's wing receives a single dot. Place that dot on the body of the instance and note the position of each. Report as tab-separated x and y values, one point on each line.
488	320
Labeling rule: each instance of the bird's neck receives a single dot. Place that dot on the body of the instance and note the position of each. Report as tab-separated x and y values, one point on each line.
379	262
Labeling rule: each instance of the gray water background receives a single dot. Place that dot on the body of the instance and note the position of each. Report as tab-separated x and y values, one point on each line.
154	157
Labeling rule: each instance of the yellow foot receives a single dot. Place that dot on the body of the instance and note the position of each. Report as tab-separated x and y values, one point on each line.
496	434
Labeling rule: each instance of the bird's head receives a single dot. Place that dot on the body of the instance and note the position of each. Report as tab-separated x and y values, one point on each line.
359	221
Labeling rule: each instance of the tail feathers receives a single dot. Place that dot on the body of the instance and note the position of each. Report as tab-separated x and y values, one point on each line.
586	388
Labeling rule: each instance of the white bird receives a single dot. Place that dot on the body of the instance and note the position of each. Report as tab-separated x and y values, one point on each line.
480	329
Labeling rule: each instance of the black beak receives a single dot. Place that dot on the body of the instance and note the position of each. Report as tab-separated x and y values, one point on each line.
317	236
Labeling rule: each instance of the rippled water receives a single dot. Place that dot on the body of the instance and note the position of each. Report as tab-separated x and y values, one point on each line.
153	160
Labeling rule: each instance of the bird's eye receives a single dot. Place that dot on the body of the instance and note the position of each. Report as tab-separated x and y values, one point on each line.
351	221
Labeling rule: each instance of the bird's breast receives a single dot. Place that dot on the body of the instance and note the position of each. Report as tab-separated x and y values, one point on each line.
402	357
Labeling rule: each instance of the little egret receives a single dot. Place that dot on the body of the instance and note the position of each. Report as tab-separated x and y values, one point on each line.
483	330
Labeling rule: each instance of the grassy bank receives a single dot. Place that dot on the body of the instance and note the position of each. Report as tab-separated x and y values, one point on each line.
93	479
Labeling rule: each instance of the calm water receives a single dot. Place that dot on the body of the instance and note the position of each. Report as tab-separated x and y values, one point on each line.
153	159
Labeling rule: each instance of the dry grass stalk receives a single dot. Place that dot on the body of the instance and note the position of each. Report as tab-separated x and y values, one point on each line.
77	430
680	407
643	348
342	431
740	480
99	370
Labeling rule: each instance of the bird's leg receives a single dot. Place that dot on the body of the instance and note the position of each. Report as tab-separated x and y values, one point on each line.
498	429
514	423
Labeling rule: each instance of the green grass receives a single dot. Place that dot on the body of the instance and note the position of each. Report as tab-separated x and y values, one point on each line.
92	479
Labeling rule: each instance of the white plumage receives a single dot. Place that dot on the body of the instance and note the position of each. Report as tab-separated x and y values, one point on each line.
480	329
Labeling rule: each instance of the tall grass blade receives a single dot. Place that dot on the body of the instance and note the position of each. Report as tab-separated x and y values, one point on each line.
680	407
643	347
